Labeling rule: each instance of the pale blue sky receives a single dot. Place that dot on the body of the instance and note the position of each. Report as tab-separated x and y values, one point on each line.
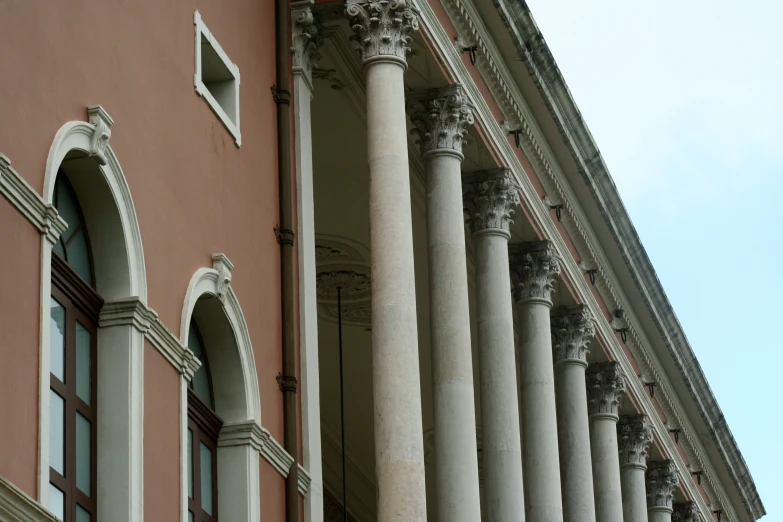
684	100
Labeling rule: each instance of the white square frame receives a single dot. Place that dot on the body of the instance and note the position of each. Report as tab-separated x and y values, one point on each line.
201	88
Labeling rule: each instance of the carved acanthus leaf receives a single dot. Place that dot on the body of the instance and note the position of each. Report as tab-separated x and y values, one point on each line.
572	329
686	512
441	119
490	200
382	27
306	39
661	481
534	269
634	435
605	387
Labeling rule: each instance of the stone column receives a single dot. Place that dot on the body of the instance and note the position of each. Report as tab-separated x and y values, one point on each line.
383	29
662	480
686	512
490	200
534	267
634	434
605	386
441	119
306	40
572	329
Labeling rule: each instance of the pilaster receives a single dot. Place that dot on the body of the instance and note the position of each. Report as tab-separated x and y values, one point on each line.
306	40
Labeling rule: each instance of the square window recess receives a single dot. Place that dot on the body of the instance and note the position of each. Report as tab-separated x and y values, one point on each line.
217	78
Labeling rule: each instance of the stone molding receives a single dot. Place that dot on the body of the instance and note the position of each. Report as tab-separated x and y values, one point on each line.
440	119
43	216
17	506
100	138
605	388
306	39
144	319
634	435
572	329
382	28
686	512
661	481
490	199
250	433
534	270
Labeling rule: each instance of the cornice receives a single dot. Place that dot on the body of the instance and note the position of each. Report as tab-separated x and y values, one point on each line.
464	17
133	312
17	506
42	215
250	433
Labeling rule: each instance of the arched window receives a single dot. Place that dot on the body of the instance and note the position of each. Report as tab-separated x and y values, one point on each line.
74	310
203	431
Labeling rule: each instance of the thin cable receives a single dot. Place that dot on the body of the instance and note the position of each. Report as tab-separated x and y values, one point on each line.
342	396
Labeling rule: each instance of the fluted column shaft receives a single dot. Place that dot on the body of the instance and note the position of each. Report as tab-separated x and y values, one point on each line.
572	328
662	480
490	199
440	121
383	31
535	267
634	435
605	386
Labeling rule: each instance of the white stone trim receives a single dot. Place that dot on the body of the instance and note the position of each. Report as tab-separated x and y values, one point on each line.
203	91
121	274
241	437
42	215
17	506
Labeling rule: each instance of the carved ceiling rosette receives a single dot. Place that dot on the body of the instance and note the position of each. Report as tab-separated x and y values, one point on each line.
605	387
441	119
490	200
572	329
634	435
661	481
353	282
534	270
382	28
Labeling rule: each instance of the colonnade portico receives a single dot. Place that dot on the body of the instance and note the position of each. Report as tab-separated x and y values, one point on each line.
552	450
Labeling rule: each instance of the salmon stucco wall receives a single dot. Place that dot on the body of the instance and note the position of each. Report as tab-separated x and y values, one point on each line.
19	352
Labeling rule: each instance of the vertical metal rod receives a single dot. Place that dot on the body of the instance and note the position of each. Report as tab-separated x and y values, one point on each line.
342	396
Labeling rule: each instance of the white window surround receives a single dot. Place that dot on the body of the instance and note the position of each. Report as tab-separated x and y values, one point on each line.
231	123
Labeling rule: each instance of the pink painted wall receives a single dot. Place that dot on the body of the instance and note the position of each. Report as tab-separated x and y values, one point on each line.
194	191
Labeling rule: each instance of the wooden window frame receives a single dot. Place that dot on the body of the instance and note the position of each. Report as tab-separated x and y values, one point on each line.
204	424
83	304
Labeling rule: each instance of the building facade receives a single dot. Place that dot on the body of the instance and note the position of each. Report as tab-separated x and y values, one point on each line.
425	302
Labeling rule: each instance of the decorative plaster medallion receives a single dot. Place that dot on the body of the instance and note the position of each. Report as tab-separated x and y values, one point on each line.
340	264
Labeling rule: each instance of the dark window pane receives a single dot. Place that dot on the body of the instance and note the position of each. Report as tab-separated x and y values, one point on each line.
56	432
205	461
56	502
83	454
200	383
83	342
82	515
57	339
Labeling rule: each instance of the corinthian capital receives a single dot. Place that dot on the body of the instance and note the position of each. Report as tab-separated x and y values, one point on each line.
490	199
686	512
441	119
634	435
382	27
605	387
572	329
661	481
534	269
306	39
